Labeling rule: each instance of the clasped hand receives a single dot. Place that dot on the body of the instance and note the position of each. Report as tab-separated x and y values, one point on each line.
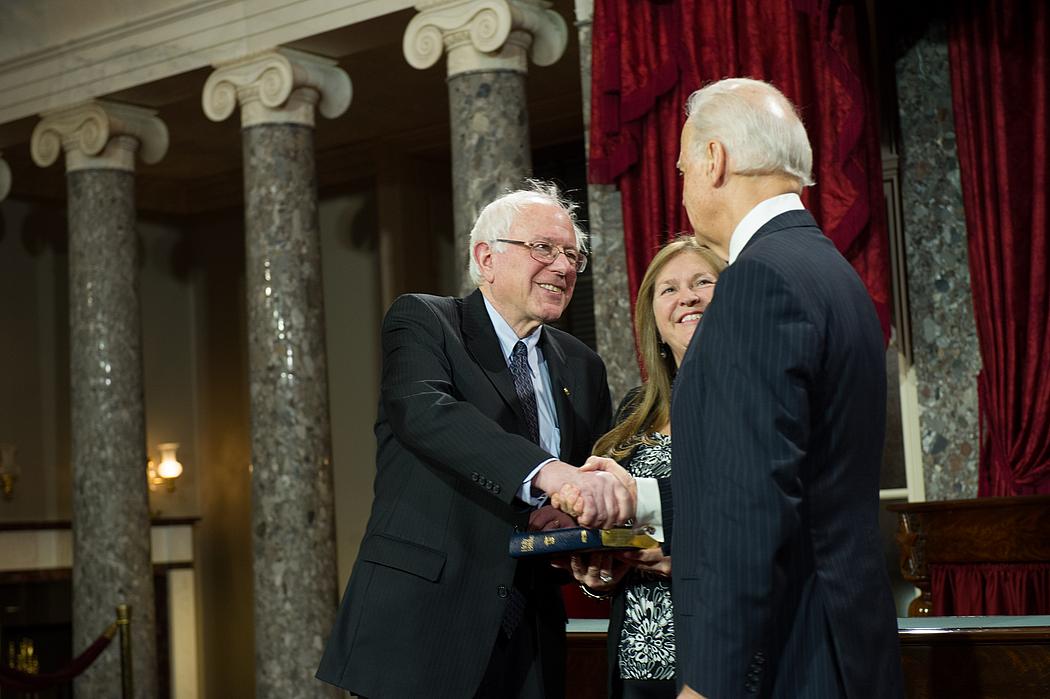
598	494
574	501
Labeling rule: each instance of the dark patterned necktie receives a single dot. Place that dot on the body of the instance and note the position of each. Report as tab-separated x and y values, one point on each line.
519	369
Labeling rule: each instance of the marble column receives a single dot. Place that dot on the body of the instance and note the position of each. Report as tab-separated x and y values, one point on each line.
293	529
488	43
944	339
5	178
612	300
111	527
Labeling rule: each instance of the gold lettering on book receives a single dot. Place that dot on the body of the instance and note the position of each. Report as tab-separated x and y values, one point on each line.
583	535
548	540
527	544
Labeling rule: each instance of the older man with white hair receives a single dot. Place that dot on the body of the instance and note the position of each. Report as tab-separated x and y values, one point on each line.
484	408
780	587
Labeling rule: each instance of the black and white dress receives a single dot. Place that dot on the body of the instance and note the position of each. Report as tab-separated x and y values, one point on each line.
646	650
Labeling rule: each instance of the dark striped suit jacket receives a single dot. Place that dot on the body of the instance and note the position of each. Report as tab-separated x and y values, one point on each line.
424	602
780	585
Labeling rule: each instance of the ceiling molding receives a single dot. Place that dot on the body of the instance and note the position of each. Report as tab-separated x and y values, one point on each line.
154	46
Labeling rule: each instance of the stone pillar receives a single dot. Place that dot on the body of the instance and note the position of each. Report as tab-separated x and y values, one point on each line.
486	42
111	527
612	300
944	340
293	531
5	178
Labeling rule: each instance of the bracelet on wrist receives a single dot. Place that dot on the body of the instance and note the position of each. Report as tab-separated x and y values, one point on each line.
594	595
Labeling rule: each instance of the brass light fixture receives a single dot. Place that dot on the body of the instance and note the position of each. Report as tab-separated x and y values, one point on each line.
169	468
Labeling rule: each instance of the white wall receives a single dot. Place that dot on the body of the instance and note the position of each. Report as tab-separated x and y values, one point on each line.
34	359
352	317
169	362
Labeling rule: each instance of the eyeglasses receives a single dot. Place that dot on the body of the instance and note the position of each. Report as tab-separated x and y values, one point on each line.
547	253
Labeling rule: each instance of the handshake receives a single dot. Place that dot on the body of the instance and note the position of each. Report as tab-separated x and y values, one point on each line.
599	494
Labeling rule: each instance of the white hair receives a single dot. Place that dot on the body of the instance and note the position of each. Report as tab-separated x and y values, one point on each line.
758	126
497	217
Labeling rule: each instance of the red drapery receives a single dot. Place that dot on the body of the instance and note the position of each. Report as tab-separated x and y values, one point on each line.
1000	67
982	589
649	55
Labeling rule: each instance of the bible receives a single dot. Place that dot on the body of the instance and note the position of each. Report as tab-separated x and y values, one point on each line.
577	540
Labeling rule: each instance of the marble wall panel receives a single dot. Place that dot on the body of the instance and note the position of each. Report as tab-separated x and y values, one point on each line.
944	337
612	304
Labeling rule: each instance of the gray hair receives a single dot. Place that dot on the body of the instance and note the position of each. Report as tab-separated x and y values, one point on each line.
758	126
497	217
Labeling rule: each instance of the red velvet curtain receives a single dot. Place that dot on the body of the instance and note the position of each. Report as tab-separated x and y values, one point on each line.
649	55
1000	66
990	589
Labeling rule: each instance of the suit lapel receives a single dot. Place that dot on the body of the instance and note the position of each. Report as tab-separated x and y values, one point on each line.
562	387
480	339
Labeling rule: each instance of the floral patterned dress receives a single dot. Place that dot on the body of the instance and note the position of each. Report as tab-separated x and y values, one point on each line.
647	640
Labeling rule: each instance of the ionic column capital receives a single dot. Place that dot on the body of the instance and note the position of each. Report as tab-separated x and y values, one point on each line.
99	135
5	178
584	12
280	86
485	35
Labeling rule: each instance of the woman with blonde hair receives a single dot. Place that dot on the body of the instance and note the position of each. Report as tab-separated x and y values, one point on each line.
672	298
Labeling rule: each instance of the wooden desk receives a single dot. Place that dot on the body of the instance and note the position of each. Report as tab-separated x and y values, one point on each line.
985	530
976	657
942	657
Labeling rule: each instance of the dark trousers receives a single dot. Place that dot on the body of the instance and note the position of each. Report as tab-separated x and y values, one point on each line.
515	668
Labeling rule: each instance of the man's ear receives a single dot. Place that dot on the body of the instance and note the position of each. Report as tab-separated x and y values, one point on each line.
717	163
483	257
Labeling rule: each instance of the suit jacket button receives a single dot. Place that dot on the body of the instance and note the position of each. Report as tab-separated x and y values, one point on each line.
496	488
501	590
475	477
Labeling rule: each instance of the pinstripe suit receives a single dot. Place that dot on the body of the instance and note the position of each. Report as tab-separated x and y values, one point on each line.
780	588
422	609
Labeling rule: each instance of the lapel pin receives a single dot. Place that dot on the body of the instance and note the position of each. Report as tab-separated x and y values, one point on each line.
565	390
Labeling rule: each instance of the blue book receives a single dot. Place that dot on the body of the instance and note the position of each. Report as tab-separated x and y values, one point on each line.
578	539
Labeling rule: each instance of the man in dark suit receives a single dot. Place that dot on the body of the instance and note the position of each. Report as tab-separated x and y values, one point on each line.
483	410
780	587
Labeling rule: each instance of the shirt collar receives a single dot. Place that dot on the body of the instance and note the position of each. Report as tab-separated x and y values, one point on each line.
507	337
759	216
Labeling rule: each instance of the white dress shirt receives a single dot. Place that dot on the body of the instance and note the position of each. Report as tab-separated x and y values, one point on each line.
759	216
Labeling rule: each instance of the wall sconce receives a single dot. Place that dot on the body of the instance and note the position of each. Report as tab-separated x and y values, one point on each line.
167	470
8	470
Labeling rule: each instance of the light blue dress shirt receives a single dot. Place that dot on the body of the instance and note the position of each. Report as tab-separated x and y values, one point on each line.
550	433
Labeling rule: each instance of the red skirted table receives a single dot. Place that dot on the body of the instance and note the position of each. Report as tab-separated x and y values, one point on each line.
989	556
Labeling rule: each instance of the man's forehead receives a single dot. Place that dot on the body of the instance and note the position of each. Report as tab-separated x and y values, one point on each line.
685	140
543	216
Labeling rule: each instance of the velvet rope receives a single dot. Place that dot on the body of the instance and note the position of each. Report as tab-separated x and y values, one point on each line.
25	682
